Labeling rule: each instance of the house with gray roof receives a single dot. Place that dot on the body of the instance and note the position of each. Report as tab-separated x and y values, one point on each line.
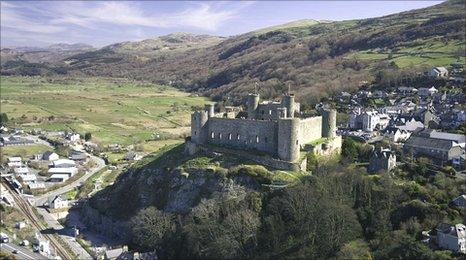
452	237
433	144
382	160
459	201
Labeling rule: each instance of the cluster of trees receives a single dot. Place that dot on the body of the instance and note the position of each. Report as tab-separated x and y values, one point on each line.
339	212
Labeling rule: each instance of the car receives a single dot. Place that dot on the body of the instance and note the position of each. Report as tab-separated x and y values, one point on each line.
15	251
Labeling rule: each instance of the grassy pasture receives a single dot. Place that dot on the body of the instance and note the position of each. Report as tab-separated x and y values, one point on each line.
427	53
113	110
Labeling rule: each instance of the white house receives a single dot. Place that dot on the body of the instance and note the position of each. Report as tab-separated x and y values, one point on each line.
63	163
59	177
50	156
70	171
397	135
28	178
73	137
57	203
438	72
21	170
452	237
14	162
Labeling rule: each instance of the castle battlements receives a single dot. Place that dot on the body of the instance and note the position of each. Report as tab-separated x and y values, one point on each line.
270	127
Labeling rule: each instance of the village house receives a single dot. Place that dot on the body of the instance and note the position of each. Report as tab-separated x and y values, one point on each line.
459	201
63	163
397	135
438	72
57	203
70	171
59	177
368	120
14	140
452	237
442	147
382	160
14	162
50	156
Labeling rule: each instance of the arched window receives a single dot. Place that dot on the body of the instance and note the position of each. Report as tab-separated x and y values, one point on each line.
195	132
219	135
229	136
238	136
257	139
212	135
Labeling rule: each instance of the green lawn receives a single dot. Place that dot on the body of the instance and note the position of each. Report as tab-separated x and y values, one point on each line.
25	151
113	110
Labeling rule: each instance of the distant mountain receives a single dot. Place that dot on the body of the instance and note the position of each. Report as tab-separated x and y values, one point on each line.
50	54
316	58
69	47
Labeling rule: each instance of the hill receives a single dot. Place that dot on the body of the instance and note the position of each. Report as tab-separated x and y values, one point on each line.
218	206
316	58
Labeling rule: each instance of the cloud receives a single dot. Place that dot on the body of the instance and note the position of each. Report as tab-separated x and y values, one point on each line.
10	18
203	16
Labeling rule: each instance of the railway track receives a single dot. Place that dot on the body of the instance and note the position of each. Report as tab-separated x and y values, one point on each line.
27	210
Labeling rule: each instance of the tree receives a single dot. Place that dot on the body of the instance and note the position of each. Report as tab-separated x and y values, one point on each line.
150	226
87	136
349	149
3	119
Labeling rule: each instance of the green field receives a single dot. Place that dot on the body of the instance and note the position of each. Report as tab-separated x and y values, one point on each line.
428	53
25	151
112	110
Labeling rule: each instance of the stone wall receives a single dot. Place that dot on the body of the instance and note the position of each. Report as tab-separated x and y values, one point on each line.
310	129
243	134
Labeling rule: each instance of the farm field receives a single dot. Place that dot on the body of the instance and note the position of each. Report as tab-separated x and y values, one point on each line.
112	110
428	53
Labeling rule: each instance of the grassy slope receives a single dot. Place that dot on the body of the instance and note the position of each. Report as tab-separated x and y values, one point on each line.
114	111
309	56
316	59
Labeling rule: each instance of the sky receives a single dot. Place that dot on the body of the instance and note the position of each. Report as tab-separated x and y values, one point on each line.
100	23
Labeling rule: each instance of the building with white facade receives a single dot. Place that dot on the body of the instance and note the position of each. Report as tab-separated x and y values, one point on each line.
452	237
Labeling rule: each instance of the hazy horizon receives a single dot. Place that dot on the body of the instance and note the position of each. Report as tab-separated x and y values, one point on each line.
39	24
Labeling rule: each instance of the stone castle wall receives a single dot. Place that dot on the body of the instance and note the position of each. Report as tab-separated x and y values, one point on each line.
310	129
243	134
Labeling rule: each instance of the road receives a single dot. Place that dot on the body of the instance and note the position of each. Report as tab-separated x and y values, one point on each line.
100	164
53	223
23	253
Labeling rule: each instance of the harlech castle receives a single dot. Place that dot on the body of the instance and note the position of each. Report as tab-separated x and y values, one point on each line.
269	127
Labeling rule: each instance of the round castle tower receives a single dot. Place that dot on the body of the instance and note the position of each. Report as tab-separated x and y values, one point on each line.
329	123
288	144
199	126
209	108
288	102
252	102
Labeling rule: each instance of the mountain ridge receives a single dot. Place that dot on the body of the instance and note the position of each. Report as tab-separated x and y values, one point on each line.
317	60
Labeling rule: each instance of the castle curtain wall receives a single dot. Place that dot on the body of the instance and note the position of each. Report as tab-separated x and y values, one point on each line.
310	129
243	134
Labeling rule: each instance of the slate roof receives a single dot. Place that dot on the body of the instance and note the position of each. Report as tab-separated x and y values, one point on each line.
460	201
431	143
458	230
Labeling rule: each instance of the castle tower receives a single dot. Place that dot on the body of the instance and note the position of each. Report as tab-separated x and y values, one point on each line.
252	102
288	102
281	112
288	145
199	127
209	108
329	123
